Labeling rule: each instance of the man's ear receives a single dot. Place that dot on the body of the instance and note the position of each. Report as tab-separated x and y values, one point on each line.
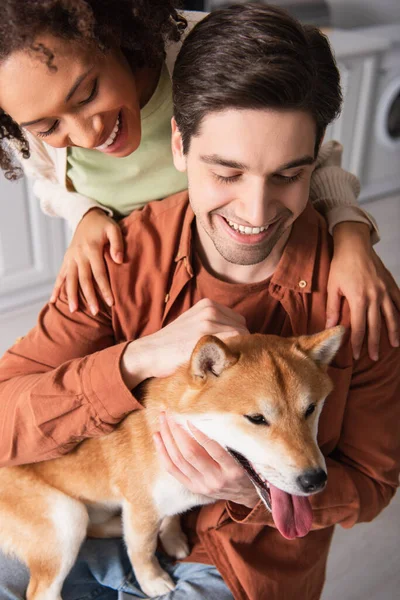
322	347
177	147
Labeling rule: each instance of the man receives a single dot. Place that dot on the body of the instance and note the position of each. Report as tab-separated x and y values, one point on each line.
247	254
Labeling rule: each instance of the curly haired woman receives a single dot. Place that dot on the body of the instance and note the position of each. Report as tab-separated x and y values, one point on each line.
85	99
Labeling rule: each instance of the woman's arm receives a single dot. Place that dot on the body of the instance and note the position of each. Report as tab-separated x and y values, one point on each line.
356	271
93	226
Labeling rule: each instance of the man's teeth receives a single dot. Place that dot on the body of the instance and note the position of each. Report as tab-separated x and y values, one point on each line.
112	137
246	230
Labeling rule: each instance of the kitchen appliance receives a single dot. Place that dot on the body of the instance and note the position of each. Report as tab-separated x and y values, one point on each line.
381	169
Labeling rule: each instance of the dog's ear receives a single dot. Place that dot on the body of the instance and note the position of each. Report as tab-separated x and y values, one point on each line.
211	357
322	347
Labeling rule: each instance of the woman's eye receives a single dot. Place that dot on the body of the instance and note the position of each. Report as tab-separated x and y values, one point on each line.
92	93
49	131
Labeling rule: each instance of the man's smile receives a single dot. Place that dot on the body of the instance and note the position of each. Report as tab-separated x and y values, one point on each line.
245	234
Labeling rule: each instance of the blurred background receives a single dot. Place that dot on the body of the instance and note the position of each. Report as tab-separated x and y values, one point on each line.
365	35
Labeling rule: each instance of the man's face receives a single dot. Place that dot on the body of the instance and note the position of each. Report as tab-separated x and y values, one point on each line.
249	175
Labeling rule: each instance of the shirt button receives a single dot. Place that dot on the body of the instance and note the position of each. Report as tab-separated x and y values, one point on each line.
302	283
166	298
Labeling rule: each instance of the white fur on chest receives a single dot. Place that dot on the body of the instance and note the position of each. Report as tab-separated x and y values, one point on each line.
171	497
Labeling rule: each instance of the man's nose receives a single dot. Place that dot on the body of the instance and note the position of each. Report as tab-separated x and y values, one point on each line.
87	132
258	207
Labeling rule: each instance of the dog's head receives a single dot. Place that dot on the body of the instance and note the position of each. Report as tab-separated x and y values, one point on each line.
260	396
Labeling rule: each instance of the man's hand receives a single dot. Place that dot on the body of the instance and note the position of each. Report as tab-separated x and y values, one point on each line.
359	275
161	353
202	465
84	260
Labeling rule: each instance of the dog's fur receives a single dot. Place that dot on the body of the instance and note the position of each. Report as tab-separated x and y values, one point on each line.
44	507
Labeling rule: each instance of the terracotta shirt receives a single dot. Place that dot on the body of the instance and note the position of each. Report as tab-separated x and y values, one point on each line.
62	384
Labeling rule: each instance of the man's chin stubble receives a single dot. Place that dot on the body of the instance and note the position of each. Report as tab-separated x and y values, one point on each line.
246	259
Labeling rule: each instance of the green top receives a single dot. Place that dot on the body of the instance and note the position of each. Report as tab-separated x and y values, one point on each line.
123	184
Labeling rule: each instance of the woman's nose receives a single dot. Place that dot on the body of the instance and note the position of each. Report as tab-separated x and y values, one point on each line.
87	133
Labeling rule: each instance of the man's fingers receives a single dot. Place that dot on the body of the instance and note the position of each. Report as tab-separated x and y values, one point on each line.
392	319
225	335
215	312
374	330
217	452
175	442
169	466
114	235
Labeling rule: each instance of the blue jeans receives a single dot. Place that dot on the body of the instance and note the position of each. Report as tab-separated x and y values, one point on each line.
103	572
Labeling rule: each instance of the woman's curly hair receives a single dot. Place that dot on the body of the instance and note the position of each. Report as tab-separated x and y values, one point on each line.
140	28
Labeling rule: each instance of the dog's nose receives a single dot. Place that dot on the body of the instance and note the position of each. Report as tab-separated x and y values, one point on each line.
312	481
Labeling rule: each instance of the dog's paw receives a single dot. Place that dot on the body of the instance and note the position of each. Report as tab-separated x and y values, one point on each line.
158	586
176	545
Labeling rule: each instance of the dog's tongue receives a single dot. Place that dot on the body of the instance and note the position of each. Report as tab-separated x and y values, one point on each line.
292	514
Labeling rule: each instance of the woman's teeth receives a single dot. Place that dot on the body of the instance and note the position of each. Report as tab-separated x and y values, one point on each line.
246	230
112	137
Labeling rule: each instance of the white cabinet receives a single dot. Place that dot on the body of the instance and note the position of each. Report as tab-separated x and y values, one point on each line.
31	247
359	58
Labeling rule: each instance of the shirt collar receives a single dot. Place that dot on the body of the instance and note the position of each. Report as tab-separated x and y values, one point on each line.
295	269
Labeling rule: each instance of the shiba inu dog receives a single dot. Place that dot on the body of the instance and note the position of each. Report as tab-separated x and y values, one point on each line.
258	396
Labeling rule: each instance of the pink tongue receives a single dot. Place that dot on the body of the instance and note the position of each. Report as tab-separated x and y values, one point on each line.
292	514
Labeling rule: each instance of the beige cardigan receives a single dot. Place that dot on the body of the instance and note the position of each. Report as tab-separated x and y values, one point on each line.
333	191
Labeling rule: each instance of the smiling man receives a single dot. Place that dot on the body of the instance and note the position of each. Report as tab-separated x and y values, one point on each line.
250	174
242	251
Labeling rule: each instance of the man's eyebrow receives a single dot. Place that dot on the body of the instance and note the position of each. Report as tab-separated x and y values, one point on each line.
68	97
214	159
297	162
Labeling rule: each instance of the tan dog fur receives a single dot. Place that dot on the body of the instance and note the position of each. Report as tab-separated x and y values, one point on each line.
43	506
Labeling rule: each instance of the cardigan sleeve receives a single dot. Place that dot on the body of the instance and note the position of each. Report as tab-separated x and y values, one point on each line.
334	191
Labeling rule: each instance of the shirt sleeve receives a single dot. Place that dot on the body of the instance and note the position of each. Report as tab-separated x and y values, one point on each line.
363	471
334	191
55	199
61	384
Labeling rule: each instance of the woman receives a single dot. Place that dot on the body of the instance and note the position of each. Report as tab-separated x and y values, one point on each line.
85	99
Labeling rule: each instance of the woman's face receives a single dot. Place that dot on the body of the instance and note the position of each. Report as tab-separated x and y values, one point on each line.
91	101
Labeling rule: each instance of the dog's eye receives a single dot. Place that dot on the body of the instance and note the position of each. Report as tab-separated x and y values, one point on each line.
257	419
310	410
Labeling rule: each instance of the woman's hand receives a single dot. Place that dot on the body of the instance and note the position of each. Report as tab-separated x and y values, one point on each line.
202	465
84	260
358	274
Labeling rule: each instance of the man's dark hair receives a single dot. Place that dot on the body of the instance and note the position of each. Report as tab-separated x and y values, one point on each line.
140	28
254	56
